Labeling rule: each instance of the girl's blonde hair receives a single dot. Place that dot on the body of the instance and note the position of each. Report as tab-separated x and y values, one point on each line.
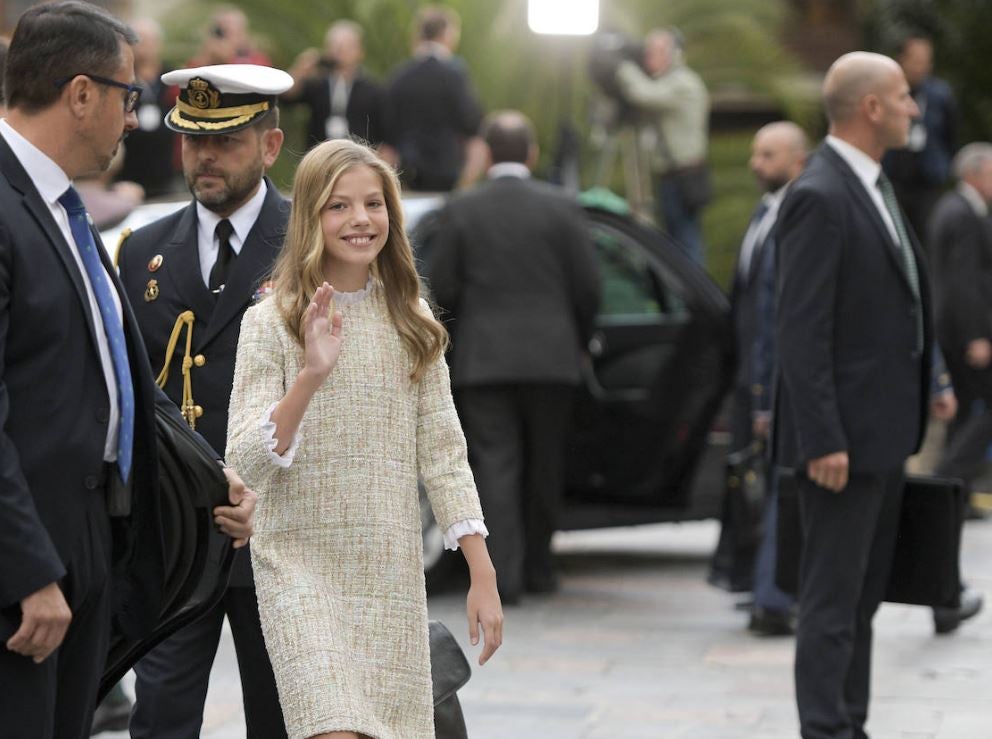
299	268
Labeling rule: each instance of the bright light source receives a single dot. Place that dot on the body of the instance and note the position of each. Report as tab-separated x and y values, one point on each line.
563	17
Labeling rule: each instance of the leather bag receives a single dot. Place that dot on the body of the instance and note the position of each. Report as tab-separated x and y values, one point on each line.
197	555
925	568
449	672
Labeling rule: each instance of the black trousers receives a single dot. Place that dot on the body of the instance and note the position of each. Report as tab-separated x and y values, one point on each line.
846	560
172	679
56	699
516	436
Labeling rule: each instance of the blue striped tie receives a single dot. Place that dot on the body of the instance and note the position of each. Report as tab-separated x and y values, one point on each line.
112	326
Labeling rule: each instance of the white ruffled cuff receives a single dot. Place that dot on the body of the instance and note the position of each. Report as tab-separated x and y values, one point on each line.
268	429
463	528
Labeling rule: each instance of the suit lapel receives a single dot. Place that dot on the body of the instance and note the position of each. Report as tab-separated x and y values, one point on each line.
21	181
252	266
865	202
181	260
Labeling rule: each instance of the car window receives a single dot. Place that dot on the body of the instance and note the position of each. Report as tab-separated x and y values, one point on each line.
630	285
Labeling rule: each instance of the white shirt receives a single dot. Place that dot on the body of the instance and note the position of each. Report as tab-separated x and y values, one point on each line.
508	169
867	170
758	232
51	182
241	220
976	201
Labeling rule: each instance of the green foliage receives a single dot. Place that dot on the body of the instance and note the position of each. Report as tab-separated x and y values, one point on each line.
735	46
726	218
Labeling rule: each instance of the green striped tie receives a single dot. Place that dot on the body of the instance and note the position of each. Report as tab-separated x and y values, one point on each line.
905	249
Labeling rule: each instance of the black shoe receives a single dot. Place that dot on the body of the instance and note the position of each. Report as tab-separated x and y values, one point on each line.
766	622
113	713
744	605
947	620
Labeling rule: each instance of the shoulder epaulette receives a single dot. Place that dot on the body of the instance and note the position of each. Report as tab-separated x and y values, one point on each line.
120	243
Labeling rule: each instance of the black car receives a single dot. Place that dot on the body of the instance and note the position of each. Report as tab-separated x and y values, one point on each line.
643	448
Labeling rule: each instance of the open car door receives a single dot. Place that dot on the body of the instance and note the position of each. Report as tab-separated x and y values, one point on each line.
660	367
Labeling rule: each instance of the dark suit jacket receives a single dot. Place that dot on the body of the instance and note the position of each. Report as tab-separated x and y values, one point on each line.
431	112
851	376
217	322
511	262
932	166
365	110
752	313
54	412
960	243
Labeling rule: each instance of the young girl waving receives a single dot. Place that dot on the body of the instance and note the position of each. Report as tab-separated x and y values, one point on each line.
332	419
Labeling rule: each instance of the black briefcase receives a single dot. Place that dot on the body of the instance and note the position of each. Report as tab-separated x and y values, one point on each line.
925	569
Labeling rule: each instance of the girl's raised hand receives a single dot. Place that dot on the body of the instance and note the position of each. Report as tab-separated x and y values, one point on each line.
321	333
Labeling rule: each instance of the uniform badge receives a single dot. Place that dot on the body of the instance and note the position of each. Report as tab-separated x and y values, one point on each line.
151	291
155	263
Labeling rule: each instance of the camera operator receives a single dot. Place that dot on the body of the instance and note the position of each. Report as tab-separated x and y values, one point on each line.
342	99
674	107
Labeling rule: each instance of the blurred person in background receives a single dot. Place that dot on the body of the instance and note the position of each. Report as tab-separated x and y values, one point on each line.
920	170
227	40
433	115
676	109
778	155
150	151
959	235
343	100
512	266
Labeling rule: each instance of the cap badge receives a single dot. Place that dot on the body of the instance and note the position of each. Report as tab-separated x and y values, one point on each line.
202	94
151	291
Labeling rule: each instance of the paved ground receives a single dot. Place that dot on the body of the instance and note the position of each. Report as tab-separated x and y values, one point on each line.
637	645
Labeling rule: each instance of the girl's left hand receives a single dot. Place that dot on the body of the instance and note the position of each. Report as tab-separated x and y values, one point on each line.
485	610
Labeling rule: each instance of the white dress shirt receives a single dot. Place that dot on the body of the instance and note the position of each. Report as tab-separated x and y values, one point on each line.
241	220
508	169
757	232
974	199
51	182
867	170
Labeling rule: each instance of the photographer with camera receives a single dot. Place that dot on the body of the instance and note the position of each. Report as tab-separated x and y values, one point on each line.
227	40
343	100
674	116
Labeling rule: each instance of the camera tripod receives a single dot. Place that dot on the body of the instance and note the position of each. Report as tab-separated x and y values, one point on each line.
623	142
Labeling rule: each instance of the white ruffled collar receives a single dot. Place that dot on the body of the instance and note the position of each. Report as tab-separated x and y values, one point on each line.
352	298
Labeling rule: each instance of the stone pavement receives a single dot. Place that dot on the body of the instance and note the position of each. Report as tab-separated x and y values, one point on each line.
636	644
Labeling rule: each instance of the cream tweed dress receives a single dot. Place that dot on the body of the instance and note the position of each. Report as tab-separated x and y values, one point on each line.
337	549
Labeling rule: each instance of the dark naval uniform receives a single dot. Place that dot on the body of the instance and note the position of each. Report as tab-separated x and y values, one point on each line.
160	268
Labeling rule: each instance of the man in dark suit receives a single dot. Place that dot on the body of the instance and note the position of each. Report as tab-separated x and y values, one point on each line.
920	170
778	154
80	543
432	113
854	343
343	100
960	245
197	271
512	265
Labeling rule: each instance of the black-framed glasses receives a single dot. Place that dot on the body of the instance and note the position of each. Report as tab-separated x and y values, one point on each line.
133	91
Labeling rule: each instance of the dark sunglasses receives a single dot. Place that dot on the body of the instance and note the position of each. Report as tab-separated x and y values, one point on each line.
133	91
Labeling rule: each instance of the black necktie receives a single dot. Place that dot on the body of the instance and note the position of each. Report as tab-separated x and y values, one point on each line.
225	256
